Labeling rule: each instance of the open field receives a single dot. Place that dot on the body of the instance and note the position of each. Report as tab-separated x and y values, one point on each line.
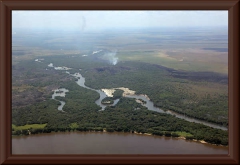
28	126
190	60
196	49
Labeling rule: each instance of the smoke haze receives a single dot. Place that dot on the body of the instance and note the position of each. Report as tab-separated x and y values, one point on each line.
111	57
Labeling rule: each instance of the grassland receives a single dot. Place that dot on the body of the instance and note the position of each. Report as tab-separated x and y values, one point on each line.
189	60
184	49
198	49
28	126
183	134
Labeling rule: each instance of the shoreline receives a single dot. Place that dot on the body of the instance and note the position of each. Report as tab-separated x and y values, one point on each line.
183	138
105	131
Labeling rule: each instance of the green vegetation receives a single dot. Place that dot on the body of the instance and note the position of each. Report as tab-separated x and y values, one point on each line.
145	66
165	90
124	118
28	126
73	126
181	61
27	129
183	134
203	96
116	95
107	100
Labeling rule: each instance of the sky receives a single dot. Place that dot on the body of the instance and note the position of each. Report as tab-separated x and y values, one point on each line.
92	20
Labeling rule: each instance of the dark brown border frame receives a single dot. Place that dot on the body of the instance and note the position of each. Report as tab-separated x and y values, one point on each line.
6	6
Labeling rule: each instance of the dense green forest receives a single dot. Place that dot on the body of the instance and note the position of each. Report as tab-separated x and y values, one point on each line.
202	96
165	90
33	82
123	117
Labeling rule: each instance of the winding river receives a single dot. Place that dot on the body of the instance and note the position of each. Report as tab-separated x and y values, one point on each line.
60	92
81	82
149	104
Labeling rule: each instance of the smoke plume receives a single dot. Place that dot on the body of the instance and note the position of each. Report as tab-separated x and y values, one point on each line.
111	57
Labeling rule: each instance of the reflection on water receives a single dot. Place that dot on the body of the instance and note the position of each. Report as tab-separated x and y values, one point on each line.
108	143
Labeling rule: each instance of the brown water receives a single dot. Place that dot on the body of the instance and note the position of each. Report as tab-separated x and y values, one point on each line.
108	143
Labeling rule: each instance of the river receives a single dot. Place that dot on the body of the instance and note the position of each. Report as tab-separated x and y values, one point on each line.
149	104
108	143
60	92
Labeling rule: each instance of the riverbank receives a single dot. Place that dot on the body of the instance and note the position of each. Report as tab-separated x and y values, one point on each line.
180	137
39	129
108	143
126	91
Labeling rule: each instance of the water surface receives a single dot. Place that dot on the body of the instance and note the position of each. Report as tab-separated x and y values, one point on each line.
108	143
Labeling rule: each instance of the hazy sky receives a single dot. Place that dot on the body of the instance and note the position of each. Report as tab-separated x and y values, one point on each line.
91	20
